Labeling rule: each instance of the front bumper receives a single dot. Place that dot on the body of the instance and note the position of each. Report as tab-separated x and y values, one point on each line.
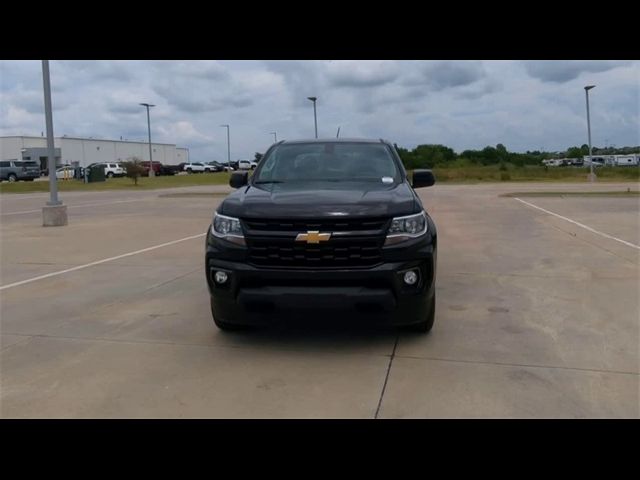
259	295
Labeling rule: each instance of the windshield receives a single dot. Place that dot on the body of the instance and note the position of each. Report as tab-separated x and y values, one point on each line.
328	161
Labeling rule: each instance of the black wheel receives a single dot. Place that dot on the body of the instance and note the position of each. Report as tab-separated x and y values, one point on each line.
426	325
189	170
12	177
110	175
225	326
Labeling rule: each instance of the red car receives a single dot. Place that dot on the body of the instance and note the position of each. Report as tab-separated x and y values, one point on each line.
157	168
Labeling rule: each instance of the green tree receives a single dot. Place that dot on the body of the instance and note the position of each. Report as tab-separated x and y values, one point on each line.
134	169
501	153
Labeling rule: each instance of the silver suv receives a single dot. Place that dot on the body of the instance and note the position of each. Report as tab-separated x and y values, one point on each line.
14	170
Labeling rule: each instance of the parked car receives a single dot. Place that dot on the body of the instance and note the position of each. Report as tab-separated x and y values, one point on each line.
111	169
66	172
114	170
170	169
157	168
246	165
14	170
197	167
223	166
215	166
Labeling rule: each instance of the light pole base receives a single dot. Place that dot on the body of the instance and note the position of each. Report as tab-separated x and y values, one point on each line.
592	177
54	216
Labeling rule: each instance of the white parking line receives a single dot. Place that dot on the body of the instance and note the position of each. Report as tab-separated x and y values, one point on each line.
628	244
80	267
76	206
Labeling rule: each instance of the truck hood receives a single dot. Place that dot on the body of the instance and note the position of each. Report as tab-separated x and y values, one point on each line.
321	200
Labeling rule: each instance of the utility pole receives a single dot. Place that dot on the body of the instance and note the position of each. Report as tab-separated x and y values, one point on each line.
228	147
315	118
151	172
54	213
592	175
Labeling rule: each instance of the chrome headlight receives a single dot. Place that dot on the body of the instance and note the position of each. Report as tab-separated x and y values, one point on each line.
228	228
405	228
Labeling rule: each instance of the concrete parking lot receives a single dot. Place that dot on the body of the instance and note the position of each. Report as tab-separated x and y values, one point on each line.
537	316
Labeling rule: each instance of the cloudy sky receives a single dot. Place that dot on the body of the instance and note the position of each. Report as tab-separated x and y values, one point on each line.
526	105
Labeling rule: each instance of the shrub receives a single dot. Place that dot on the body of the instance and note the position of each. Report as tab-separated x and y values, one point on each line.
134	169
505	177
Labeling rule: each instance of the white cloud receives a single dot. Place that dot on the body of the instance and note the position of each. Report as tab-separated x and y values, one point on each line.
463	104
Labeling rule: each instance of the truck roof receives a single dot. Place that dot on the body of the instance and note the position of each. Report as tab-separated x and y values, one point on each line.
334	140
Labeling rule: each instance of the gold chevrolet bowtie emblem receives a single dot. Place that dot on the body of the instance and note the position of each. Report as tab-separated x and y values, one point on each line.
313	237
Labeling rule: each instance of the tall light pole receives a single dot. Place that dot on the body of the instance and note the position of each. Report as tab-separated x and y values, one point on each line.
151	172
54	213
592	176
275	137
228	147
315	118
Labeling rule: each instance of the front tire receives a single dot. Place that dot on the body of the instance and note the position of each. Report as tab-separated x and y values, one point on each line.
12	177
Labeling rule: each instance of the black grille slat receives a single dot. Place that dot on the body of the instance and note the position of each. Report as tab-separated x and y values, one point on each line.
272	243
328	225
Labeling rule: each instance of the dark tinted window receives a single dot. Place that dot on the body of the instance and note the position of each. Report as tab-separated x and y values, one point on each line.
329	161
5	164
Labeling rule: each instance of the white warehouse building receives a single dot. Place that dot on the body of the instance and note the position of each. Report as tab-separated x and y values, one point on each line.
85	151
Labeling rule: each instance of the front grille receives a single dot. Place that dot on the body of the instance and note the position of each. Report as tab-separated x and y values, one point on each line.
354	243
298	226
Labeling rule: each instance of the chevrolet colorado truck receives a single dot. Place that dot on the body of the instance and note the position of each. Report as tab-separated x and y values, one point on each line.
323	229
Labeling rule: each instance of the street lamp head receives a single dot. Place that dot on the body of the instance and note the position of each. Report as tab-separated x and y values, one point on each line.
147	105
589	87
313	99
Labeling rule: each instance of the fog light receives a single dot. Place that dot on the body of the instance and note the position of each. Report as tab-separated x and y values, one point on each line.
220	277
410	277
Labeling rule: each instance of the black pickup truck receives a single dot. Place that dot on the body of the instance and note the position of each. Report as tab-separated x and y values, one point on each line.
169	169
323	229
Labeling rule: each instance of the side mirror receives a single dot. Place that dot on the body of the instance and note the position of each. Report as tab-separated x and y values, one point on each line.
239	179
423	178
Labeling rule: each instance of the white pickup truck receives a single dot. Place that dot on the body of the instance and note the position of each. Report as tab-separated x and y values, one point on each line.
246	165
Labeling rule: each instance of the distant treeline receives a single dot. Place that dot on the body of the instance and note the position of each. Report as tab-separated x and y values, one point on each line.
431	156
